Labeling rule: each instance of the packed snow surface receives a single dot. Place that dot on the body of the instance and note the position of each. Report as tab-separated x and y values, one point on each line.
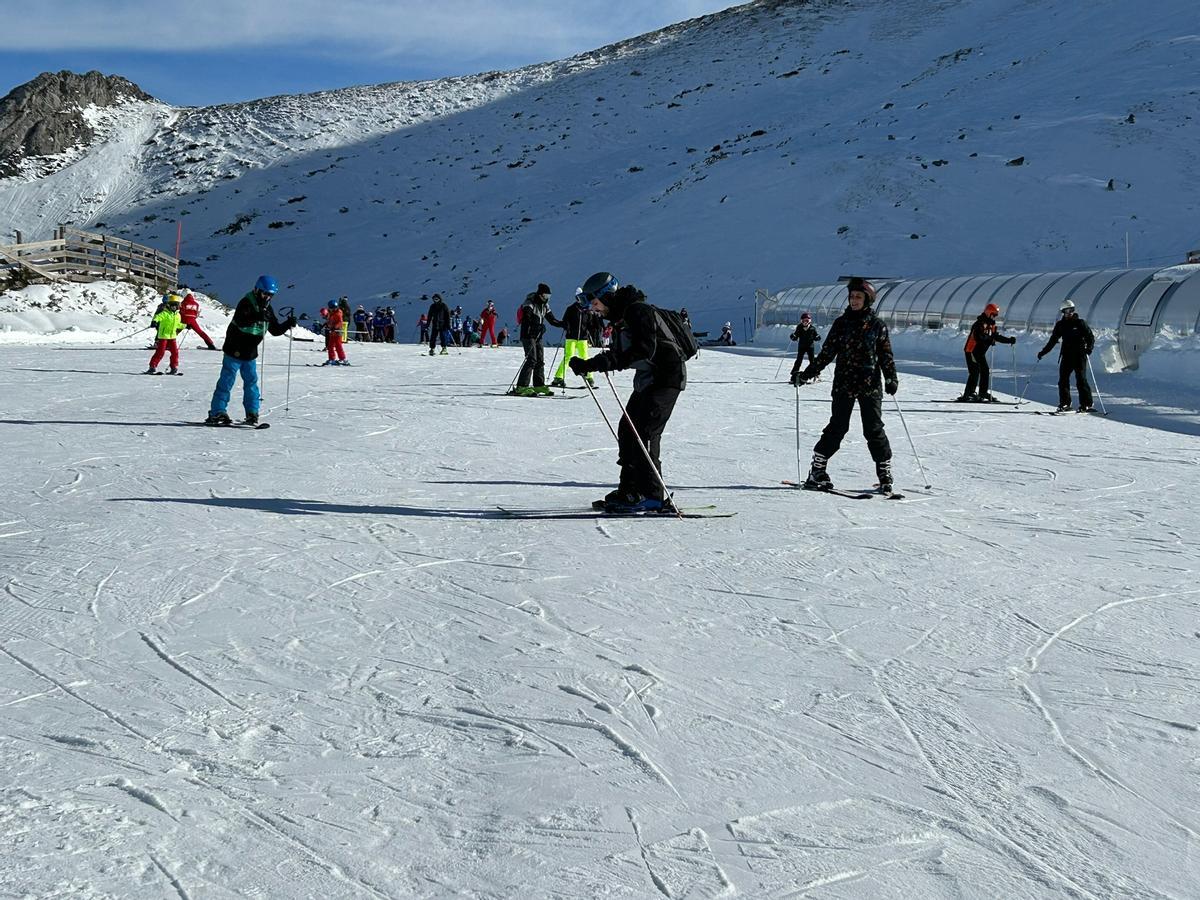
317	660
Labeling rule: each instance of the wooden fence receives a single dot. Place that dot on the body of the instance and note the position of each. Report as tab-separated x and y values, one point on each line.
74	255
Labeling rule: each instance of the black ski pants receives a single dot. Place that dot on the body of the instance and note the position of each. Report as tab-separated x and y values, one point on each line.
1068	364
979	373
647	414
870	408
535	363
443	333
801	352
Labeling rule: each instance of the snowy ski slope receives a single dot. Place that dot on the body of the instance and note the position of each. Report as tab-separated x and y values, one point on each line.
314	661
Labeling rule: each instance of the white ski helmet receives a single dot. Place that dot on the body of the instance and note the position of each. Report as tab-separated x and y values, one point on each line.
1066	305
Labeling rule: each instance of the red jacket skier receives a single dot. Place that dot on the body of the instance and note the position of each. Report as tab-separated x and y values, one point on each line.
189	312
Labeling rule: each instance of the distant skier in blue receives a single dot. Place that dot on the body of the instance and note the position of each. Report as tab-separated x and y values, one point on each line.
252	317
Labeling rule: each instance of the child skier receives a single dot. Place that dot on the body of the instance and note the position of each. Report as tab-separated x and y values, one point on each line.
189	311
983	334
805	337
170	326
334	347
859	340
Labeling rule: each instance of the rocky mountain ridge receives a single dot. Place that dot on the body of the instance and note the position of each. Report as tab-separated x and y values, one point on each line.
46	116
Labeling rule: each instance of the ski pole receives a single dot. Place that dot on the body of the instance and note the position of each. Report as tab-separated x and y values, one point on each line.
552	359
131	334
642	444
1021	399
1096	384
287	393
799	469
779	368
603	414
1013	347
262	369
911	444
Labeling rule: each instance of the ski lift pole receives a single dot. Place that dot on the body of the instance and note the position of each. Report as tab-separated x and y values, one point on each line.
645	450
1096	386
908	434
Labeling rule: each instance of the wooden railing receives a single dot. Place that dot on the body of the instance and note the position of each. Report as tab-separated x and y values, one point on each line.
75	255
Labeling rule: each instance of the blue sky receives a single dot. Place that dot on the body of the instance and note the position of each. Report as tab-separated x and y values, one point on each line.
228	50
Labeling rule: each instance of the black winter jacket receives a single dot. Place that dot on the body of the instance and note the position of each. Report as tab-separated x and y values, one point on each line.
805	338
640	342
535	313
578	323
252	316
983	334
439	317
1077	338
860	343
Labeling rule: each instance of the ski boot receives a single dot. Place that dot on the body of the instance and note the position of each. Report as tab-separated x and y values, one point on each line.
431	351
818	478
1063	407
558	383
444	352
174	370
331	362
542	390
966	398
525	391
591	382
883	471
218	418
251	419
986	398
151	371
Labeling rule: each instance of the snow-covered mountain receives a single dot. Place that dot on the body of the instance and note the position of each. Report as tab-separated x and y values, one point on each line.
776	143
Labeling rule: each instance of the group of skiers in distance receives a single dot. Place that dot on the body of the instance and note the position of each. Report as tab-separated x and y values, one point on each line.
656	343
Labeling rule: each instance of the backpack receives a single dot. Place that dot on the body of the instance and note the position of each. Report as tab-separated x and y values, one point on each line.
678	331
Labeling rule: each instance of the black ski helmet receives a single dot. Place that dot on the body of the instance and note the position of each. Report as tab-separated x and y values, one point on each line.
600	284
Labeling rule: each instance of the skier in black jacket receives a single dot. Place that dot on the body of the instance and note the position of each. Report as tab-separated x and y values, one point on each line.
534	314
1077	344
439	324
641	342
984	333
859	340
805	336
251	318
579	326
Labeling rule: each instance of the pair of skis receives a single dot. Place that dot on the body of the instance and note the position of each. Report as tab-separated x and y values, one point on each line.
849	495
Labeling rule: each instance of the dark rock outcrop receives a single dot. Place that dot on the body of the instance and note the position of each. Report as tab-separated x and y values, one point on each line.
44	117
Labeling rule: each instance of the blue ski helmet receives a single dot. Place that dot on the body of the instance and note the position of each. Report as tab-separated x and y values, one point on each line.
600	284
266	285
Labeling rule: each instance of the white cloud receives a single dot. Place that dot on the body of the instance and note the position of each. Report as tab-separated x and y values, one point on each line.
543	29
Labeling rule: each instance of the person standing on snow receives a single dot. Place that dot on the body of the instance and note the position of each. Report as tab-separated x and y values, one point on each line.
487	323
189	312
983	334
858	340
533	315
578	323
423	328
726	337
1077	344
251	318
335	348
439	324
170	325
639	341
805	336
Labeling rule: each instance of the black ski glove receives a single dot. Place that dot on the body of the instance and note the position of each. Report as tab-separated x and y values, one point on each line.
891	386
1041	353
578	365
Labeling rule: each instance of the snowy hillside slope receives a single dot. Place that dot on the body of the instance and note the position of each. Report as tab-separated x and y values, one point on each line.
773	144
315	662
68	313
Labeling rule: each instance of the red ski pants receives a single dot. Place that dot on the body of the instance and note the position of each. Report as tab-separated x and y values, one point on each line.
161	347
333	345
195	326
